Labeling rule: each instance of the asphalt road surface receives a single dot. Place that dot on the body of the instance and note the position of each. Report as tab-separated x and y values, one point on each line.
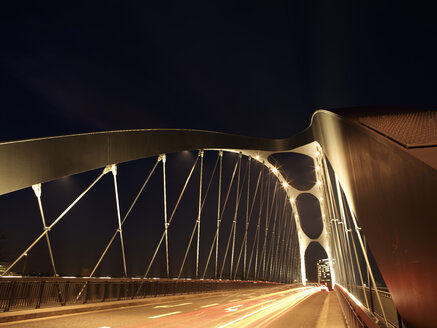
270	307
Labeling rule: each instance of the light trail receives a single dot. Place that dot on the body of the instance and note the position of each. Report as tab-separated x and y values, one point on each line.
267	314
259	311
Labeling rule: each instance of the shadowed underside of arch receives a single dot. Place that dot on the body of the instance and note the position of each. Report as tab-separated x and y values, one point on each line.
390	187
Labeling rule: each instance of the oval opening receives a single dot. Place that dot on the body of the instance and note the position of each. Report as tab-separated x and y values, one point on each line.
310	215
313	254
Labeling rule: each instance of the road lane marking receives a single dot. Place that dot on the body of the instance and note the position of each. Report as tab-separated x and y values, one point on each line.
170	306
233	308
205	306
164	315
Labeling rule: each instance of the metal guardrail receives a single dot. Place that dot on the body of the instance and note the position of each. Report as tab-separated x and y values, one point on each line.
357	316
389	306
33	293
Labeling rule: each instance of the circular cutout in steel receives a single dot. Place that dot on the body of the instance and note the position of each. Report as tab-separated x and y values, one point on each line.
310	215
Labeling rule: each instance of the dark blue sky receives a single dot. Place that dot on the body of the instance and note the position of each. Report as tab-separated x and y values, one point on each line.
257	69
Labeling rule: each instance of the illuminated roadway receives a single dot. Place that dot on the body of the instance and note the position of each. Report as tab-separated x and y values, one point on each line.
273	307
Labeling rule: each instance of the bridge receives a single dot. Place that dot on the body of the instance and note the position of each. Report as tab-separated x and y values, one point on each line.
219	223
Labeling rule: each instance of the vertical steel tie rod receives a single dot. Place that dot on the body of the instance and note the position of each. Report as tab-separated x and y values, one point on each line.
200	211
164	159
234	223
247	221
218	213
37	190
114	174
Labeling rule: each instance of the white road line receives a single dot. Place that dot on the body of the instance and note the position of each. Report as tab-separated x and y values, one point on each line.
205	306
170	306
233	308
164	315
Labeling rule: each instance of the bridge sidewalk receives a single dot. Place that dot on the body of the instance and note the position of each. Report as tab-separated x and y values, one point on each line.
331	315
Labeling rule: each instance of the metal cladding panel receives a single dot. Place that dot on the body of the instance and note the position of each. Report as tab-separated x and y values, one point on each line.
393	195
27	162
130	145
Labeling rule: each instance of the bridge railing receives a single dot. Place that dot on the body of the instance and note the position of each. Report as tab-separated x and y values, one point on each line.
30	293
390	310
356	314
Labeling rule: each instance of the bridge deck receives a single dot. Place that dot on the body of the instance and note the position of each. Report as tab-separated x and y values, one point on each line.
273	307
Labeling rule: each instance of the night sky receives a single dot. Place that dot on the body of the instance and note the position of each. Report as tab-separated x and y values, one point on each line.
250	69
258	69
